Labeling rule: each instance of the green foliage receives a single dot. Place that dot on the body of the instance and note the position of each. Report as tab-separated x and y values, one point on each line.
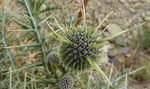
9	61
37	10
145	73
145	38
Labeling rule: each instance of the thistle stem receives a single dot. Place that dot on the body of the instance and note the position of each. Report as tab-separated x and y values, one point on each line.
39	39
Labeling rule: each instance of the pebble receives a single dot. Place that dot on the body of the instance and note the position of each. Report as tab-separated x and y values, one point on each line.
105	50
113	60
147	18
120	40
112	53
123	50
114	28
135	33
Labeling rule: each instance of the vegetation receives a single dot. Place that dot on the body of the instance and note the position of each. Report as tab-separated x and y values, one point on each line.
43	54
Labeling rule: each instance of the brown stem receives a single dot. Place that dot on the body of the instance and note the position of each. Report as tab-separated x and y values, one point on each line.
80	13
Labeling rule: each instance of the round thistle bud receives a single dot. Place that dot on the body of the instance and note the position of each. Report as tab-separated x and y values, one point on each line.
52	57
82	45
66	82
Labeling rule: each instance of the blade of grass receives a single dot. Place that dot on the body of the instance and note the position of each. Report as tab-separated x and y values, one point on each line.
58	36
2	60
103	21
129	73
94	65
27	45
10	78
110	75
88	83
25	67
50	34
104	29
46	19
15	39
126	81
120	33
44	79
59	25
21	23
25	80
30	30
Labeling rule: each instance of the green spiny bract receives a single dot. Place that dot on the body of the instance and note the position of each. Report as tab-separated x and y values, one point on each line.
53	57
82	45
66	82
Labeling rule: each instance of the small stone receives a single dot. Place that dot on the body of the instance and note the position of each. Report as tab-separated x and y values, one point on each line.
113	60
121	41
105	34
134	0
108	1
112	53
106	47
143	14
123	1
147	18
132	10
135	33
148	25
123	50
114	28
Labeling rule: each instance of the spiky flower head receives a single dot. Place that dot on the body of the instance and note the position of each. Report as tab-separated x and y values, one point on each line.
66	82
53	57
82	45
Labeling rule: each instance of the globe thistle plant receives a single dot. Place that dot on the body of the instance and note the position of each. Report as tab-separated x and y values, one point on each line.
53	57
52	61
66	82
81	47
